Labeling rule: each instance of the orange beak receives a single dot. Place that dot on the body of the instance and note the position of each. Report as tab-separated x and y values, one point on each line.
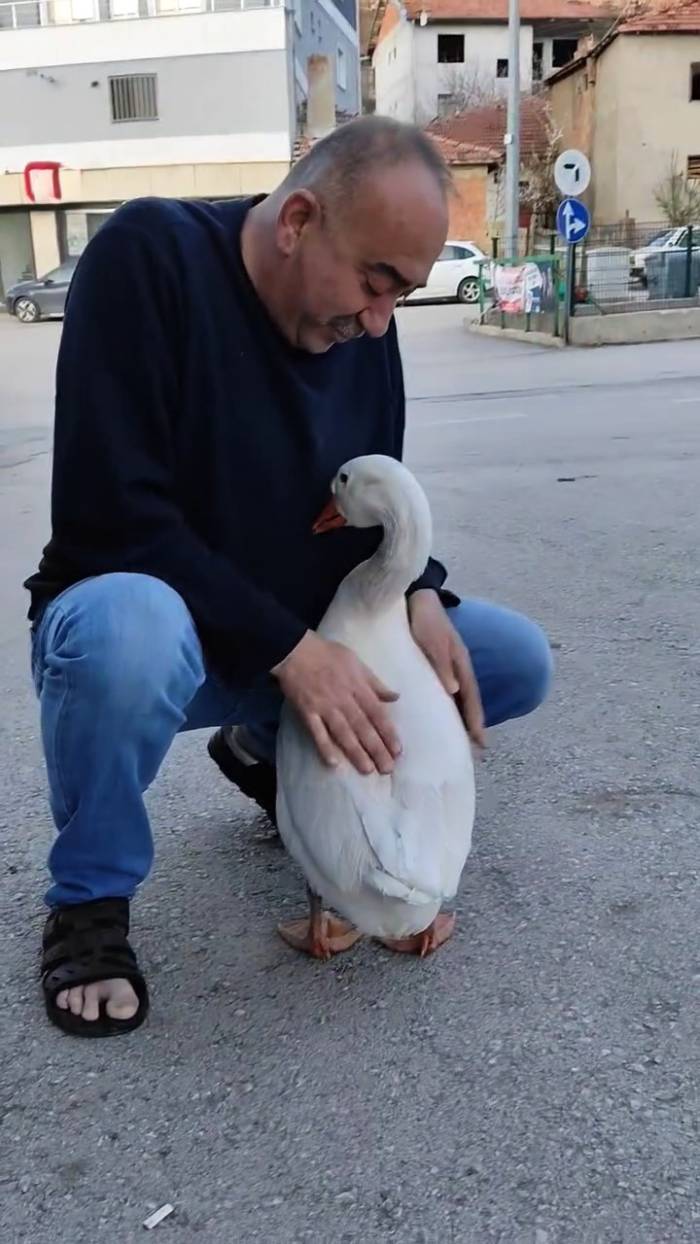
329	518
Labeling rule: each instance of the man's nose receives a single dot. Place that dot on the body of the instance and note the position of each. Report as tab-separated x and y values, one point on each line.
376	318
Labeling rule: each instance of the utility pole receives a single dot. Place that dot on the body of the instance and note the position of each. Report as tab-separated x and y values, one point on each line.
513	132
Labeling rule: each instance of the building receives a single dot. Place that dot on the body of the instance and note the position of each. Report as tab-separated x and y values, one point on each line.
435	57
200	98
473	144
371	18
632	104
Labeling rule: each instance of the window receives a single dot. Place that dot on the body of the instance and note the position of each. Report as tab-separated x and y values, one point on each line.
694	168
695	83
82	10
502	67
447	105
563	50
62	275
132	97
24	15
450	49
77	228
537	62
341	69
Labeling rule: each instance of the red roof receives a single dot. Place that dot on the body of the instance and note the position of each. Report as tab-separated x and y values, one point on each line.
672	17
497	10
483	129
454	152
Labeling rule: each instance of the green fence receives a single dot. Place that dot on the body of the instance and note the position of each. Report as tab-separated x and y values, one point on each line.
530	290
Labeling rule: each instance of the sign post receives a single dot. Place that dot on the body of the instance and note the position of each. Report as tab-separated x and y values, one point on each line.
572	174
512	138
573	223
569	291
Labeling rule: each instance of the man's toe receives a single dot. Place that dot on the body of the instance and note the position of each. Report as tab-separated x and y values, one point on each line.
76	998
91	1003
122	1002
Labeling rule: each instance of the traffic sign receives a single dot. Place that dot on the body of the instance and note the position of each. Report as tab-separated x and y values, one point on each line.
572	172
573	220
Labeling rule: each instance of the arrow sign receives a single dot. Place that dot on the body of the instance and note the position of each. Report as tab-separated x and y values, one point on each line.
572	172
573	221
573	225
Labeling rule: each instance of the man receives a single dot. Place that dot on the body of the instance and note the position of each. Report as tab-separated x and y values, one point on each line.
219	362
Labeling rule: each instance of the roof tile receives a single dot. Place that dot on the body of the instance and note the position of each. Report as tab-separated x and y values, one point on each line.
497	10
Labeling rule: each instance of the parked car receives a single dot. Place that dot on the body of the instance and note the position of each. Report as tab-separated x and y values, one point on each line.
455	274
42	297
668	240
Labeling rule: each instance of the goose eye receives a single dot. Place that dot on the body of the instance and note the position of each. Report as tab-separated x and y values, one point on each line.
343	478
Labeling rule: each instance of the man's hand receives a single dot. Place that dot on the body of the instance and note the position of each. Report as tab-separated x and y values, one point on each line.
341	703
438	639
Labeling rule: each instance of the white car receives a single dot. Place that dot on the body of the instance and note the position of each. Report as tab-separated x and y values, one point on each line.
455	274
669	240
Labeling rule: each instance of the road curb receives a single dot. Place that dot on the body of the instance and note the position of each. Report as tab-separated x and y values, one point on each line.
516	334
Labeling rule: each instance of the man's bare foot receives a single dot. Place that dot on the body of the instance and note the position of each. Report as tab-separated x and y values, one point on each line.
84	946
84	1000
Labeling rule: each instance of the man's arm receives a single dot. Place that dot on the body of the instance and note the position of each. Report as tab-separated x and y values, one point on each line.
114	506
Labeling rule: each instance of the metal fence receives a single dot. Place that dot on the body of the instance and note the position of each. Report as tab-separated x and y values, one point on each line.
633	265
21	14
526	293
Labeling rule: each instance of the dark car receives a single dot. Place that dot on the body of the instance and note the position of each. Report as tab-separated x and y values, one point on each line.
43	297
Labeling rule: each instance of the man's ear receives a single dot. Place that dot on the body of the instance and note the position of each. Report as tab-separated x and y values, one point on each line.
300	209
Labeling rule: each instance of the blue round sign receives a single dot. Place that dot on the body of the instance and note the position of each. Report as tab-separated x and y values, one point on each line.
573	221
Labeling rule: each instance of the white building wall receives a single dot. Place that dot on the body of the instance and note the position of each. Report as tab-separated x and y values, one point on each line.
393	73
409	77
483	47
146	38
253	148
221	87
320	28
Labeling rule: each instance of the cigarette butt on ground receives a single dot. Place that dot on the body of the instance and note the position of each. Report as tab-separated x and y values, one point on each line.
157	1216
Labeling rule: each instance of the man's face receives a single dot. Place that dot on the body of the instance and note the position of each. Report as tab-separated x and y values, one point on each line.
345	270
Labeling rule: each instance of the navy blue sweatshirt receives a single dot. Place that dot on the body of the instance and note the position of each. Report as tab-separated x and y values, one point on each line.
193	443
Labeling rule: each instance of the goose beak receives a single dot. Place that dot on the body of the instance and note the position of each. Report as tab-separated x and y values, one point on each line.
329	518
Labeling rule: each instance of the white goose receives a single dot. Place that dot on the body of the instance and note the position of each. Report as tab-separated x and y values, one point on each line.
386	851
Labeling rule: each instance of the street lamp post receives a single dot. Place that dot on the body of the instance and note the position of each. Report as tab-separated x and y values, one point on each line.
513	132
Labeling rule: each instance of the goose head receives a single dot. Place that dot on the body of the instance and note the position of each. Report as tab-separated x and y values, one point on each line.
377	491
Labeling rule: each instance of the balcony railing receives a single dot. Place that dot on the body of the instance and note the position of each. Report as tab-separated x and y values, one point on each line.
23	14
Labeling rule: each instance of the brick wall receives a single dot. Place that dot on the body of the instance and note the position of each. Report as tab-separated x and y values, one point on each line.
468	206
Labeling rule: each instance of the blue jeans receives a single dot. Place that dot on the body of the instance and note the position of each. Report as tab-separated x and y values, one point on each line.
119	670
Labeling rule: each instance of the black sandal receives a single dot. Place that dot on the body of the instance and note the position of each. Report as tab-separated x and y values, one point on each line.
82	944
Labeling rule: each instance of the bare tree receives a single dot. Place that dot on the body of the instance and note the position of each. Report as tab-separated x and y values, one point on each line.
538	191
461	87
677	196
537	188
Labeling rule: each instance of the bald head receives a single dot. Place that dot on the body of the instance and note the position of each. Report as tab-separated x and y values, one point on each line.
337	166
355	225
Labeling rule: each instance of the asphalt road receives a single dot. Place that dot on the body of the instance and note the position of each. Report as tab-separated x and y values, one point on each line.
535	1082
